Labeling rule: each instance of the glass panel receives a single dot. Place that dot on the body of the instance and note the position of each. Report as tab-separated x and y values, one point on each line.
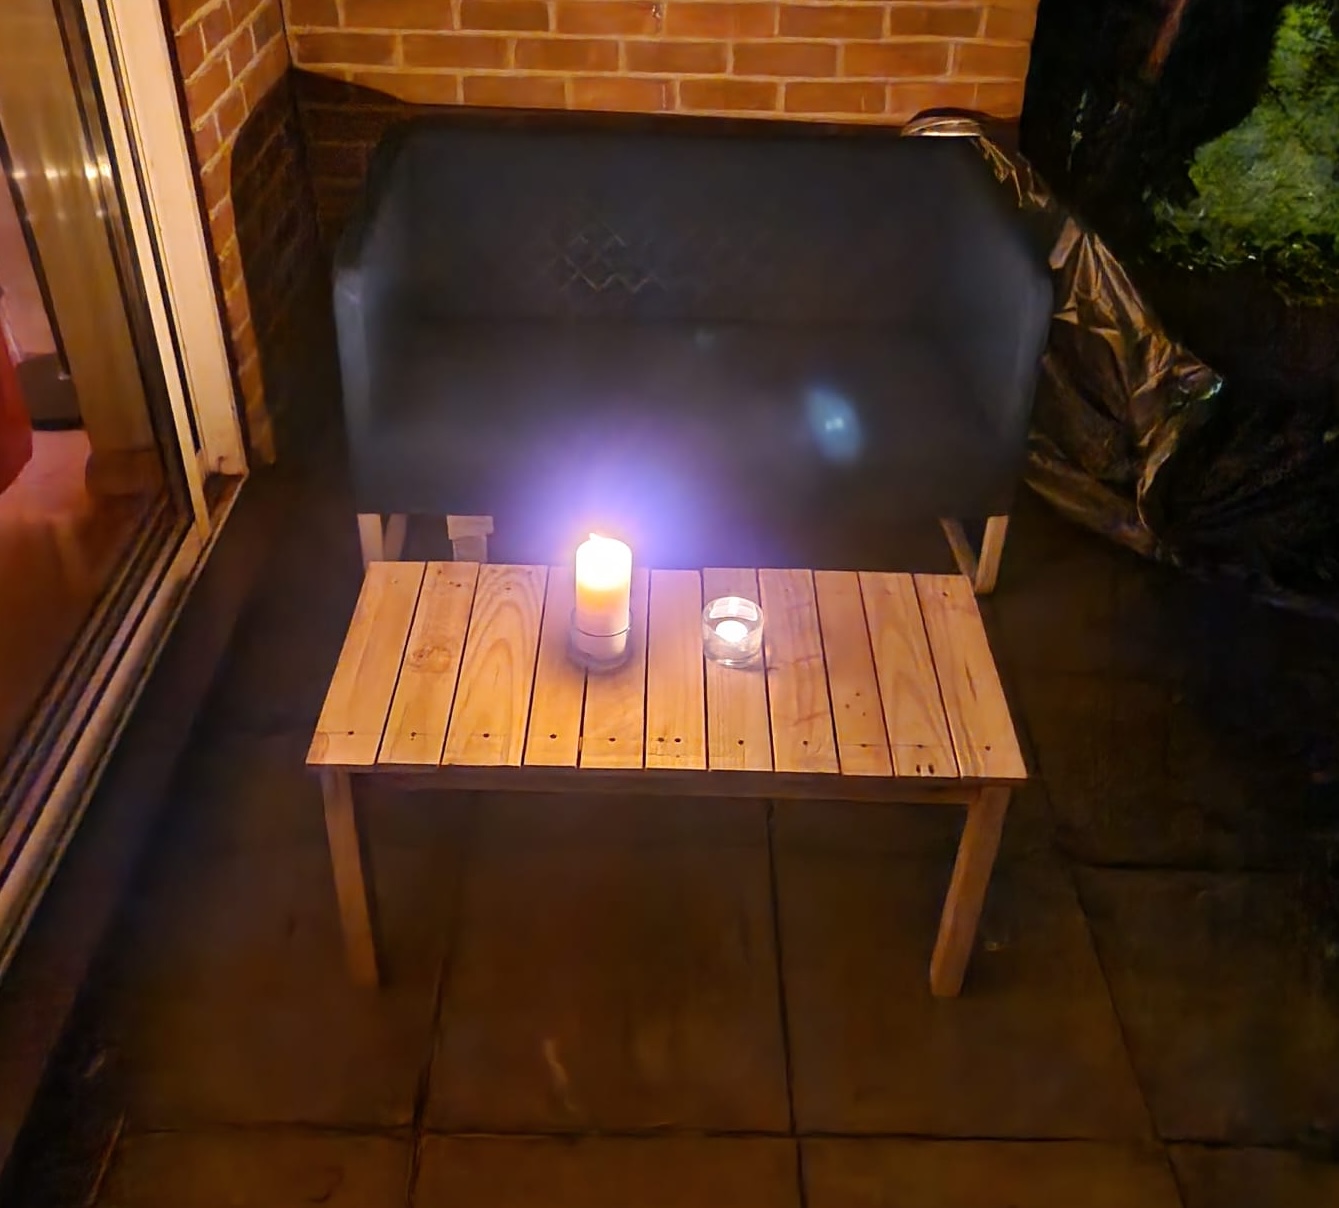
90	474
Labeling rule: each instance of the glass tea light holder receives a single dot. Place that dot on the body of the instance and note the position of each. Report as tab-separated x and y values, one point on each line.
602	617
732	631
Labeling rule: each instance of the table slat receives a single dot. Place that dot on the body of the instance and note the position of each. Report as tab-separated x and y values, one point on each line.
554	735
498	670
675	699
739	732
978	716
918	731
354	714
862	744
797	684
416	730
613	727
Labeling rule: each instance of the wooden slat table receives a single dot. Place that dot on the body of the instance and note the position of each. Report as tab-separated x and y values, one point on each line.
875	687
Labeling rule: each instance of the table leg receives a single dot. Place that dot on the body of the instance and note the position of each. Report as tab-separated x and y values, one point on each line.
346	858
967	890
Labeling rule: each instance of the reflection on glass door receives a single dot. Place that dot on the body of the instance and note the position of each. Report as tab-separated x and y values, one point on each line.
90	471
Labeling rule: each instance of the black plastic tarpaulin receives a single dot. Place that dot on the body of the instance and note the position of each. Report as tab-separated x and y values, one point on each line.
1137	438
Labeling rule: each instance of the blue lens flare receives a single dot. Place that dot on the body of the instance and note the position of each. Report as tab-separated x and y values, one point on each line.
834	424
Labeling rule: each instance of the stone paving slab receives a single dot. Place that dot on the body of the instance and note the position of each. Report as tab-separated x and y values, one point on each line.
1254	1178
1219	983
231	1003
986	1174
1032	1048
259	1169
614	984
666	1172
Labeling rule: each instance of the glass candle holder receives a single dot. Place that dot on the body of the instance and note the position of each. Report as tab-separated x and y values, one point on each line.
732	631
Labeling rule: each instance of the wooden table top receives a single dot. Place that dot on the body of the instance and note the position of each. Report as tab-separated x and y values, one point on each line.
865	675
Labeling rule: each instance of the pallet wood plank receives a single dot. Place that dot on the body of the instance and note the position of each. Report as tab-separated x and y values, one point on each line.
797	684
497	672
348	733
918	732
553	737
613	727
978	715
739	732
857	715
675	694
416	729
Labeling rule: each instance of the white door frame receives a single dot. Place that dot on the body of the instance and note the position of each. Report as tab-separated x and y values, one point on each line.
138	83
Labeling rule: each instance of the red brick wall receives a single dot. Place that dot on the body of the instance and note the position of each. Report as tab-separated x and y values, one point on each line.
847	60
230	55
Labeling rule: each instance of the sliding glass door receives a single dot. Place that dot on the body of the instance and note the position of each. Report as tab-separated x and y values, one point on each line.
104	504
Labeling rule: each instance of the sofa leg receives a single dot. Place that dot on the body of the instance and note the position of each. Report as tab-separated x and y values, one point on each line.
981	569
370	537
469	537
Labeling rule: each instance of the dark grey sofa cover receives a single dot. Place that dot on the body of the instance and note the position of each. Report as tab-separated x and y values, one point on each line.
729	350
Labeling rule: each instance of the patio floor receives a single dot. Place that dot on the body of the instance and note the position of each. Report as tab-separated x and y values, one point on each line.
671	1004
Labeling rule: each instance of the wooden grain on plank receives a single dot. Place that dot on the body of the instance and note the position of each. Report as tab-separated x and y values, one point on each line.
416	729
739	732
613	727
797	684
978	716
862	744
675	696
498	670
353	717
913	712
553	738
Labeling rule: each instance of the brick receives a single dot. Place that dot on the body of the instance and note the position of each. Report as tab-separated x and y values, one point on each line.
608	17
269	68
354	48
454	50
231	113
215	179
205	88
1001	100
504	14
430	15
415	88
216	25
992	61
622	95
190	51
567	54
222	224
895	60
527	92
269	22
686	58
180	12
785	59
230	266
206	140
693	20
831	21
846	98
934	20
314	12
241	51
905	101
727	94
338	161
1009	24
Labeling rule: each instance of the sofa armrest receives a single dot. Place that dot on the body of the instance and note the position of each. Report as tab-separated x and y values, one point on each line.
372	269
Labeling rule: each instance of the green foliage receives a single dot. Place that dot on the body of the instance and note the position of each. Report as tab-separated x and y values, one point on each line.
1267	192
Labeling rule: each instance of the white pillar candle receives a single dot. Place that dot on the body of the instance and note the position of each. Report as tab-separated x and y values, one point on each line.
603	596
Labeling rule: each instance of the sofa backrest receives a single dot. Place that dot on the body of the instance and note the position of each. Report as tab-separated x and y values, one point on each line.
507	223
